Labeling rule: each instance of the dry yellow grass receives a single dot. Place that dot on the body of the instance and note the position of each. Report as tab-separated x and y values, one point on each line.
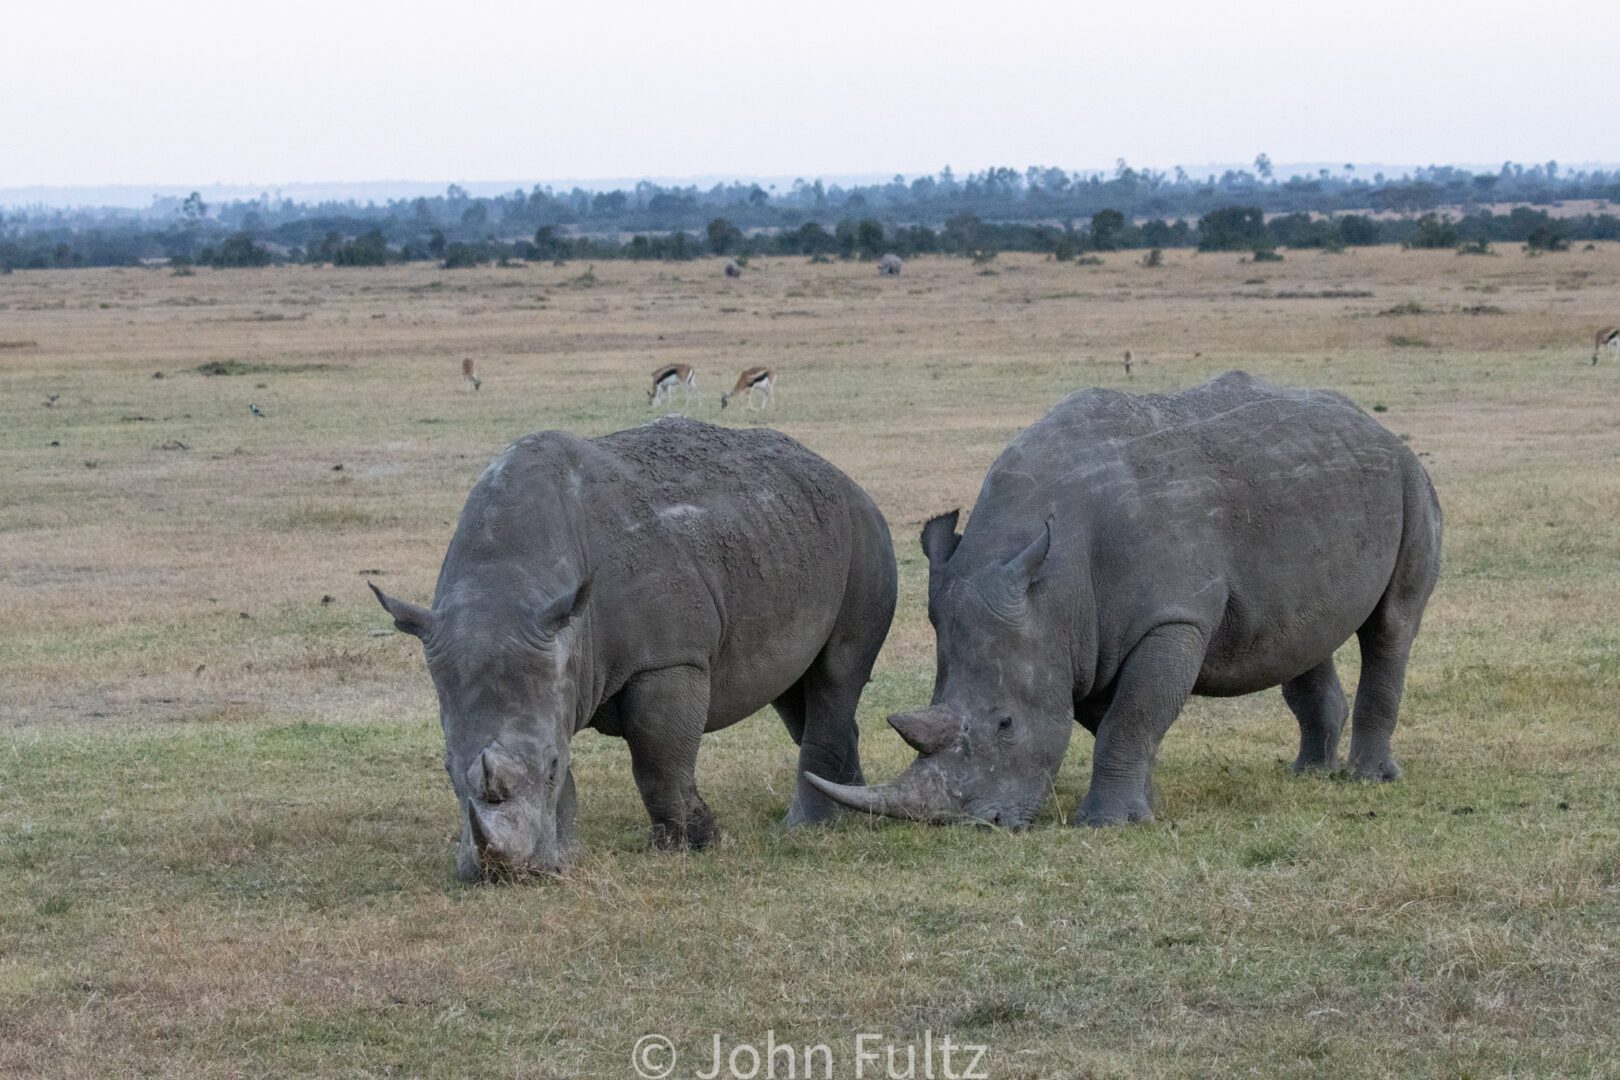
225	835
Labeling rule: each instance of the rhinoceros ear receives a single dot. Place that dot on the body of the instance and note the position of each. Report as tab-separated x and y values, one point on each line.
1015	576
939	539
1027	563
408	617
556	613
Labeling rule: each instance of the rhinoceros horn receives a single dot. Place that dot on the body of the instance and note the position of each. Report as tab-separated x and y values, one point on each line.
930	730
918	794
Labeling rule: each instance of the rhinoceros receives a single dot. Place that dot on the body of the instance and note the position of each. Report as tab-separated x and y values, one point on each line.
652	584
1128	551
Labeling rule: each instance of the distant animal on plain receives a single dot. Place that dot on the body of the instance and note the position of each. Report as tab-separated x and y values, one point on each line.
1127	363
256	411
890	264
753	380
1607	338
669	378
52	399
732	270
469	372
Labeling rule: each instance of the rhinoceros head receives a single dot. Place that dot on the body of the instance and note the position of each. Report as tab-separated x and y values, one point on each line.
990	744
500	661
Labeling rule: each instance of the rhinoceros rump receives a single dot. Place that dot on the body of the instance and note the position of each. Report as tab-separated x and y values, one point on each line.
1126	552
653	584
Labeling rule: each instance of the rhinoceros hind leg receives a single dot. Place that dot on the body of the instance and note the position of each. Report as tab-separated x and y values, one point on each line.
1317	701
665	714
1378	701
829	745
1386	637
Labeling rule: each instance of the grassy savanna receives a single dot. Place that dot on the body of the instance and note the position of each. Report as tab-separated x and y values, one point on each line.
226	837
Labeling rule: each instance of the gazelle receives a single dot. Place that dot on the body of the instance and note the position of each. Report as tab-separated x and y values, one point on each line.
669	378
753	380
1607	338
1127	362
469	372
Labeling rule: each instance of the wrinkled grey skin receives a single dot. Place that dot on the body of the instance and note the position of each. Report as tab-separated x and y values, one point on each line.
1126	552
653	584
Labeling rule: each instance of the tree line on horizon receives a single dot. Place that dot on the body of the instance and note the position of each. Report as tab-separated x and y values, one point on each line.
1066	215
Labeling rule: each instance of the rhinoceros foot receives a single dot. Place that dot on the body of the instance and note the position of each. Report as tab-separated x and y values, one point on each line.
1097	811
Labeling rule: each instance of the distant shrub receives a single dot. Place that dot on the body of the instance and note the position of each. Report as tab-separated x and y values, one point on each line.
1548	236
236	250
1267	255
1232	228
869	238
1358	230
724	237
1154	257
1088	260
1106	227
460	256
369	249
1434	231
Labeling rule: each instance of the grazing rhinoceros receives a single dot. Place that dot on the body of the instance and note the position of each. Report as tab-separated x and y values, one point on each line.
654	584
1126	552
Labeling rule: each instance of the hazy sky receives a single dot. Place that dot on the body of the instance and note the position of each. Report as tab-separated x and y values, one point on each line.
197	91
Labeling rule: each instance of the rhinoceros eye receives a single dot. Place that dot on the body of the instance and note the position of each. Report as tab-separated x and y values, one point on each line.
1004	725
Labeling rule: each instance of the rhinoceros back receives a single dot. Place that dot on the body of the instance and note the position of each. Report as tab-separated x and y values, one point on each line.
1289	505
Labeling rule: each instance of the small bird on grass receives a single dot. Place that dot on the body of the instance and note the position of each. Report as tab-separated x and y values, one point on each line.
256	411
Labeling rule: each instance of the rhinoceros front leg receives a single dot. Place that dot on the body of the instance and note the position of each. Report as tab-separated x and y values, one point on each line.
665	714
1153	685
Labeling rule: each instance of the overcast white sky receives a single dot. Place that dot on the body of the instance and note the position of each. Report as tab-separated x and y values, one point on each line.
202	91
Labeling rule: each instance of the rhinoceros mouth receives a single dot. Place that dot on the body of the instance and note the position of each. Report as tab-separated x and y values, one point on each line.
489	864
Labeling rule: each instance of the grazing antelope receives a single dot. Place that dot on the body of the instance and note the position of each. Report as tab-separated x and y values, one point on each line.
753	380
469	372
1127	363
1607	338
669	378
